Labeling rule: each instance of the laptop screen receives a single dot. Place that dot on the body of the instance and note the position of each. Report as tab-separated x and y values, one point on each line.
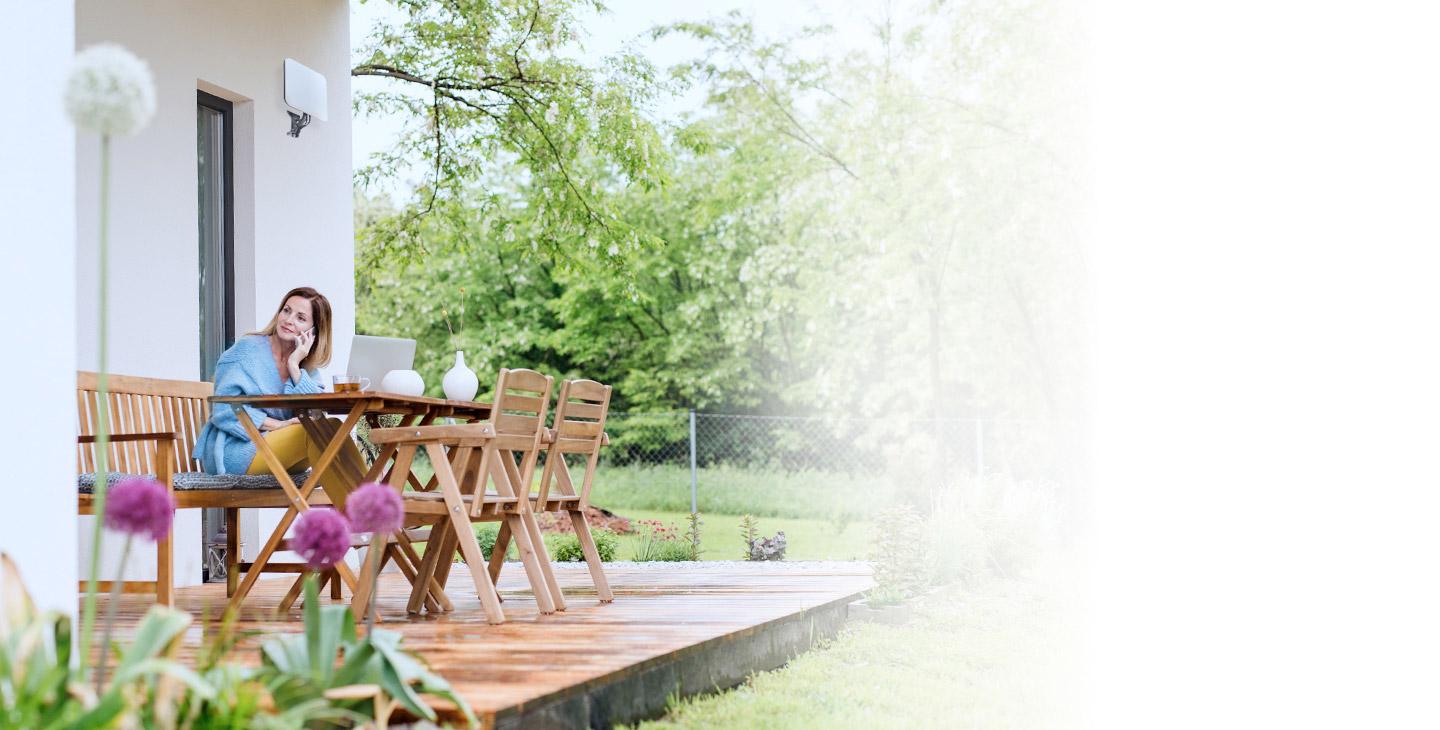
373	357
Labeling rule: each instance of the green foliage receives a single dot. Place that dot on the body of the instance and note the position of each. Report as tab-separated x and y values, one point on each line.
35	673
565	547
825	219
502	95
38	686
660	542
486	534
39	690
693	523
299	668
901	556
749	533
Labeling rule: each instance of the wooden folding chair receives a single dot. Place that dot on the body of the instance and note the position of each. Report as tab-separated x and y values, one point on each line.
467	459
580	413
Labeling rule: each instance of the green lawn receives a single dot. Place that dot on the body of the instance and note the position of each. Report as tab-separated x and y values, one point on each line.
808	539
731	490
820	513
739	490
967	660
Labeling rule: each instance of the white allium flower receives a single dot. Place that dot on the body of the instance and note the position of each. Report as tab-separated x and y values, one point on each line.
109	91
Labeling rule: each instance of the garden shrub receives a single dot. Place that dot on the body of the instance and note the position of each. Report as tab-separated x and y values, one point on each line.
486	535
901	555
565	548
661	542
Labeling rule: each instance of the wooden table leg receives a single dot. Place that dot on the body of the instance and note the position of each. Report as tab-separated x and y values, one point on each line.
297	497
297	503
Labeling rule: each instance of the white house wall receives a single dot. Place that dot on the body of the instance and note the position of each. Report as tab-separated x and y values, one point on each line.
37	302
293	204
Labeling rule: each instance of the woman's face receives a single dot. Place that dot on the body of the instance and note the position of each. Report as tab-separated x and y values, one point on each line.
295	317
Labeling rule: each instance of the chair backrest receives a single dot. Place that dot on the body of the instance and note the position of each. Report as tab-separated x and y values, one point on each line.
522	400
142	405
580	413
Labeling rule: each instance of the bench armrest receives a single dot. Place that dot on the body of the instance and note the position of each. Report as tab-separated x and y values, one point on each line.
116	437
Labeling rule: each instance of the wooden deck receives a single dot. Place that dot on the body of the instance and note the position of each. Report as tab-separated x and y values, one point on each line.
594	665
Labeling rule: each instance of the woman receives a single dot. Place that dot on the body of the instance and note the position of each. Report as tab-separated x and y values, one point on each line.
280	359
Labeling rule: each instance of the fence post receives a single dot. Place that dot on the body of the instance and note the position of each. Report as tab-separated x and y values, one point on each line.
693	480
979	454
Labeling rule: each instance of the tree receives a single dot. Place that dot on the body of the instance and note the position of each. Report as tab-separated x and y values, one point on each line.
501	93
886	230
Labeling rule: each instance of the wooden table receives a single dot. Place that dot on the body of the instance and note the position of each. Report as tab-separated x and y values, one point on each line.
311	409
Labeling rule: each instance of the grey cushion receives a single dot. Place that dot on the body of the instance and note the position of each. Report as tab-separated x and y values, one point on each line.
191	480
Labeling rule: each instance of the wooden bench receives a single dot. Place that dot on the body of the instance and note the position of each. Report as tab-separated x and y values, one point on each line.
154	424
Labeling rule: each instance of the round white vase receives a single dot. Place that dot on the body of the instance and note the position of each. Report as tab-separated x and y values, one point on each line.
460	383
403	382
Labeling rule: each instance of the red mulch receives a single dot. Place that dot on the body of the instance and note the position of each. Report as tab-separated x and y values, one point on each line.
598	517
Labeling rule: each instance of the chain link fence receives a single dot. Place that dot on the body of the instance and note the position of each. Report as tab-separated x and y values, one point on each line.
799	466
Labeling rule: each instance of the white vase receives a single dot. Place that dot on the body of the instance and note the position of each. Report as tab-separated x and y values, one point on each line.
460	383
403	382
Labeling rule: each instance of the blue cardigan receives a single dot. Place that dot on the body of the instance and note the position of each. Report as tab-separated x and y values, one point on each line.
247	368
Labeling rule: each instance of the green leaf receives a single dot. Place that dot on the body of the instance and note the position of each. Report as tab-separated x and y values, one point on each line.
102	714
169	667
313	626
160	626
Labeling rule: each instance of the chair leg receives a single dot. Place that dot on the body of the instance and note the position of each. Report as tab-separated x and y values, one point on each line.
470	547
542	554
437	601
446	564
335	586
531	562
293	595
165	572
497	553
426	570
592	556
232	550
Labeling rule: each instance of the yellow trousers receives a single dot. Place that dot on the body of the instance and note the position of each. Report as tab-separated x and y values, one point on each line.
295	449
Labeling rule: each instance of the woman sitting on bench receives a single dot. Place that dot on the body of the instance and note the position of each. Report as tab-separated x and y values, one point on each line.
280	359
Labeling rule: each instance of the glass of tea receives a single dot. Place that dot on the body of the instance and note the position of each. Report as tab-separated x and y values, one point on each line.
350	383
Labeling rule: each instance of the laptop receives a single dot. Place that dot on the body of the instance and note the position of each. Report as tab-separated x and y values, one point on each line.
373	357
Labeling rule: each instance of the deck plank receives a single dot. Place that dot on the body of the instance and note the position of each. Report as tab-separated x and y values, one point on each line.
659	615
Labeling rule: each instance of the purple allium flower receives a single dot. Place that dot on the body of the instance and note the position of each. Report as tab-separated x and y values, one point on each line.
322	537
142	507
375	508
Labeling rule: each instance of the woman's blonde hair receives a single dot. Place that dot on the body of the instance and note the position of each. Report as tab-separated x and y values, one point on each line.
319	352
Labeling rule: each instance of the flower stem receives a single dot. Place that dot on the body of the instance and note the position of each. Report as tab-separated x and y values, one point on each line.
102	415
111	610
376	553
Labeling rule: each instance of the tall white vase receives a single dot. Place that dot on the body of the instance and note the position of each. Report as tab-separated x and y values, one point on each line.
460	383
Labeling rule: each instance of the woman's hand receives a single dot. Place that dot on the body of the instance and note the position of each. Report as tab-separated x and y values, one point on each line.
303	343
275	424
